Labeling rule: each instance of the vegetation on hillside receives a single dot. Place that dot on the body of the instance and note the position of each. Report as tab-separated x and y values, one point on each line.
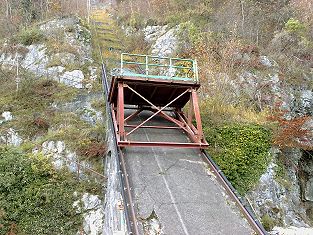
218	34
19	14
34	197
215	32
241	151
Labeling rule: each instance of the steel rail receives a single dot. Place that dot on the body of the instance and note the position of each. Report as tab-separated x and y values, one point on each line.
130	214
231	191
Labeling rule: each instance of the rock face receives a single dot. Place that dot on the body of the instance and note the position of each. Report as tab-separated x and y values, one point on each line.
10	136
166	44
280	198
7	117
82	106
266	88
65	56
152	33
292	231
287	198
62	157
73	78
92	206
93	216
38	60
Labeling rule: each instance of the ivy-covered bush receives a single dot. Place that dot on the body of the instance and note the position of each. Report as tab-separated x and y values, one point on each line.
34	197
241	151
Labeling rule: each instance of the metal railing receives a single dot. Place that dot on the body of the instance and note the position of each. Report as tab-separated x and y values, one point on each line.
232	192
159	67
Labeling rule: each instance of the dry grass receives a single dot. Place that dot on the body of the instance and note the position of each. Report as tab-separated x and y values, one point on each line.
216	112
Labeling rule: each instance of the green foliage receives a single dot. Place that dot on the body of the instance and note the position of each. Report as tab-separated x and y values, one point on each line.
84	35
241	150
188	34
30	36
295	26
268	222
136	21
35	197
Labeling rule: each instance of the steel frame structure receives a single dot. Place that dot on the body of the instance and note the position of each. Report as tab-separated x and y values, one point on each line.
177	117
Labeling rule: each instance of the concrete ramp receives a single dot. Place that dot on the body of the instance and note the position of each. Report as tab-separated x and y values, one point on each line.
174	191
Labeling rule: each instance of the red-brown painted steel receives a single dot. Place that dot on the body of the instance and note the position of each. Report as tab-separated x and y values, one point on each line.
197	114
120	113
124	91
154	127
156	113
133	114
161	144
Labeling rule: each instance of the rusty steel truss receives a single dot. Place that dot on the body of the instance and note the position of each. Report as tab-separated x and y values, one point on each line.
162	86
123	91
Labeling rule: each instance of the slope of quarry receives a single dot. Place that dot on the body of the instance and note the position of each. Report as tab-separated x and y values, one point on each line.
51	115
255	68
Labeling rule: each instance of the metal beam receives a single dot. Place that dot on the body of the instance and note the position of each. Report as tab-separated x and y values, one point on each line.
159	111
133	115
197	114
162	113
120	108
155	127
161	144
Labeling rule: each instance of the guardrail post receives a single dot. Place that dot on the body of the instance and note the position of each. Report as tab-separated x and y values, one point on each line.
122	63
147	66
195	65
171	65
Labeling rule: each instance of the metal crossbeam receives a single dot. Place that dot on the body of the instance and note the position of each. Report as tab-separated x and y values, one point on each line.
156	113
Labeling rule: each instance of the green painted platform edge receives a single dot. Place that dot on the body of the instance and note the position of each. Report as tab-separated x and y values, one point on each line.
158	77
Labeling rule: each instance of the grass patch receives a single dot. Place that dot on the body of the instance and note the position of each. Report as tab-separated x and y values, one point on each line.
31	103
30	36
56	45
215	111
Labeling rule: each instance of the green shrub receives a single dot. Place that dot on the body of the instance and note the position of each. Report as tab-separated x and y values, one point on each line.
241	151
34	197
188	34
268	222
30	36
294	26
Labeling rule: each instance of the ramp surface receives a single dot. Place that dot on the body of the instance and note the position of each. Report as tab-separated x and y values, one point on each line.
178	186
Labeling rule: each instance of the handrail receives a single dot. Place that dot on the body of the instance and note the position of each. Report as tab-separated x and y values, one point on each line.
175	69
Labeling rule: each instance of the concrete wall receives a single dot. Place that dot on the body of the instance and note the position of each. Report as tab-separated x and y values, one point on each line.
114	223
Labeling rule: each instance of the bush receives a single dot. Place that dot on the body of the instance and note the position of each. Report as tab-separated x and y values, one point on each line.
34	197
188	34
241	150
30	36
268	222
295	26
